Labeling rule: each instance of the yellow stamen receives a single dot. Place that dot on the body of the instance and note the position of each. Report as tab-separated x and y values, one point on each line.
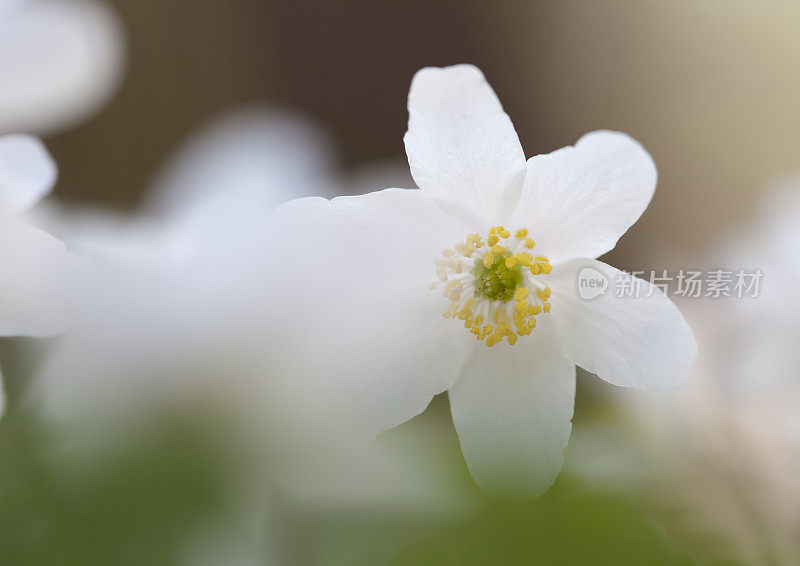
474	282
524	258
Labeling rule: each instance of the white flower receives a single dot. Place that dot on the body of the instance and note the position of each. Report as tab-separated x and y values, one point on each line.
173	306
504	241
33	264
59	61
31	261
729	443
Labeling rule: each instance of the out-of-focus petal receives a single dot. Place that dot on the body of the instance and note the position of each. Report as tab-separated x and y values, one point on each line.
245	163
27	172
372	332
59	61
34	270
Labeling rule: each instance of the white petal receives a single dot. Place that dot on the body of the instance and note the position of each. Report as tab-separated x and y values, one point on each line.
27	172
578	201
512	408
33	271
462	147
248	161
631	341
58	62
373	337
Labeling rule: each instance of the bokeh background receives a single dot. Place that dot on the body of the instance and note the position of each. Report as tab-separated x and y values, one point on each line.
710	88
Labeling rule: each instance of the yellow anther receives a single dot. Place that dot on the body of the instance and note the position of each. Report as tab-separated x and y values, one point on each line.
524	258
493	288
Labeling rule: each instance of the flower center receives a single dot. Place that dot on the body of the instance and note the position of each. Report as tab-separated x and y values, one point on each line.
503	292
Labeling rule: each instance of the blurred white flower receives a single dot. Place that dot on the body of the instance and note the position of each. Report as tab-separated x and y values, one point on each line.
377	336
175	307
729	443
176	316
33	264
59	61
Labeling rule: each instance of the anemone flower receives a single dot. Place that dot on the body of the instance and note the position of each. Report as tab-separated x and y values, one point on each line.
470	284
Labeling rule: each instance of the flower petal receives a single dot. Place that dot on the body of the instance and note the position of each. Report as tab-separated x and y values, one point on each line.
33	271
512	408
578	201
59	61
245	163
377	342
636	341
462	147
27	172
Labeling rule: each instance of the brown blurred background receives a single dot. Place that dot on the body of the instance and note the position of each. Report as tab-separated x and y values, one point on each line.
710	88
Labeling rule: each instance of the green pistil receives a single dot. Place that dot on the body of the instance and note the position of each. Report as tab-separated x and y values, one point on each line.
497	282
